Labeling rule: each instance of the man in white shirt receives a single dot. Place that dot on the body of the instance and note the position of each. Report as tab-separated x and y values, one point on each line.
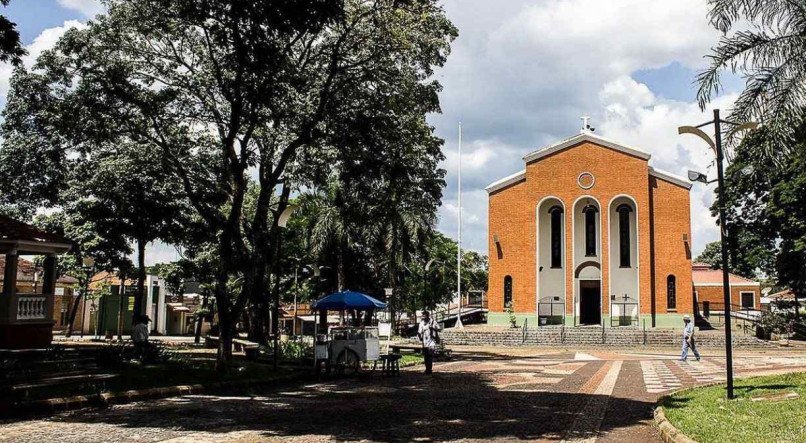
688	339
428	333
140	335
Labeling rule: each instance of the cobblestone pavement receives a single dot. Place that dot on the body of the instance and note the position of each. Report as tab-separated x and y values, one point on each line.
483	394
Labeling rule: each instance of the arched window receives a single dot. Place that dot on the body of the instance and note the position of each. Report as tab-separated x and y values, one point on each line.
590	229
671	292
556	236
624	234
507	291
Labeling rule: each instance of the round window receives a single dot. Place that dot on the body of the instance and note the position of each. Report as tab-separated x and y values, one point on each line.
586	180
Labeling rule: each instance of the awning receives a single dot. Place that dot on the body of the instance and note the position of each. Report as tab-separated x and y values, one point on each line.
344	300
177	307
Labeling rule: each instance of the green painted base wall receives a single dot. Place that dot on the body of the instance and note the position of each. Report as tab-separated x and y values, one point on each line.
661	320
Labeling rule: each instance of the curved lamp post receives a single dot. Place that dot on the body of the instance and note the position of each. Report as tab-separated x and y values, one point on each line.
716	146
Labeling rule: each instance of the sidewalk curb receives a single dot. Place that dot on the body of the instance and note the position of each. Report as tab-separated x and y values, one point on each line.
669	433
63	404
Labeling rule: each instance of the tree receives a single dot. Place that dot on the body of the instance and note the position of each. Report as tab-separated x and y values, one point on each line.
767	208
770	54
11	49
109	252
224	90
712	255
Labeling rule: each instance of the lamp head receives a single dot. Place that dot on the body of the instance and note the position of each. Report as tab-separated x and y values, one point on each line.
696	176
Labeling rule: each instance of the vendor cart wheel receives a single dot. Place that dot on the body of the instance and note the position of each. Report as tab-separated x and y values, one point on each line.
347	362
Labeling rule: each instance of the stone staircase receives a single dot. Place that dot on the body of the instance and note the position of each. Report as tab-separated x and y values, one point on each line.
29	375
590	336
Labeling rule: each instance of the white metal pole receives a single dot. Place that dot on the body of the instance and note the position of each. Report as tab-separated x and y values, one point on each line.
459	241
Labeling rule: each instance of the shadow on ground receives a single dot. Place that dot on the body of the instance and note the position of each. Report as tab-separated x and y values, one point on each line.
412	406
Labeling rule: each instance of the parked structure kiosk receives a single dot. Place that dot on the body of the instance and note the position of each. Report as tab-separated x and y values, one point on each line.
344	347
26	319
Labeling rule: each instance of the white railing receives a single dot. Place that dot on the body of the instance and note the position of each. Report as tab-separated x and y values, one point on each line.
31	307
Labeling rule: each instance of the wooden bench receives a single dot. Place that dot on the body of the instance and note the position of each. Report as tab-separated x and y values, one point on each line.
440	351
249	348
398	347
390	364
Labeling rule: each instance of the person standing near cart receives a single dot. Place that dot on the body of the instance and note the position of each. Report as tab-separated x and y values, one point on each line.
428	333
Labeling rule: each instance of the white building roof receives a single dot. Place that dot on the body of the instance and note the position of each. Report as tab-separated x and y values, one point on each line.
580	138
506	181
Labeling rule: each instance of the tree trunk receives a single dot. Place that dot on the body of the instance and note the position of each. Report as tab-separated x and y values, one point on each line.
225	323
122	305
73	311
341	276
200	320
139	299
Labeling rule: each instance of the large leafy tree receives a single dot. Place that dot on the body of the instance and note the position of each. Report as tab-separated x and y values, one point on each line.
769	53
225	90
11	49
767	207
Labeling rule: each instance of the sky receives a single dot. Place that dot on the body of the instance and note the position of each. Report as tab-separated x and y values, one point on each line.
519	77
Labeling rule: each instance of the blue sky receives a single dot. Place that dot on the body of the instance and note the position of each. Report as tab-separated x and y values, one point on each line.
34	16
520	75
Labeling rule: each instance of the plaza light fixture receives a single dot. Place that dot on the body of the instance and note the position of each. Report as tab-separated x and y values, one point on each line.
716	146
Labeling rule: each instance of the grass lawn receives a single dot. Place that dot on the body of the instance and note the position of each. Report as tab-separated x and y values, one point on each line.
705	415
411	360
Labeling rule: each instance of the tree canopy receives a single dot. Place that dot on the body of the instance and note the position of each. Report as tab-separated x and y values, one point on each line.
241	102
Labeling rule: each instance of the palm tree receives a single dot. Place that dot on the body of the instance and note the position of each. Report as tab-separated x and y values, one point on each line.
330	225
771	55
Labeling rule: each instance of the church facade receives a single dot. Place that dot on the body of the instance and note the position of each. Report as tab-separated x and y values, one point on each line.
589	234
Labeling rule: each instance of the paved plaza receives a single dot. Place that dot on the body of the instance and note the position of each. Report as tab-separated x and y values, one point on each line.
482	394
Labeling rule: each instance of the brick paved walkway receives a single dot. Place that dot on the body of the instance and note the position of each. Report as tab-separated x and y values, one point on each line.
483	394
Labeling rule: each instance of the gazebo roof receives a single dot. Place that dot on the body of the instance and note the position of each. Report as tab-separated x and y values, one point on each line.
16	235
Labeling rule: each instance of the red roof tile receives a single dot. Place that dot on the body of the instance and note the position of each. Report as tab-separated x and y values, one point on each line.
25	272
707	276
11	229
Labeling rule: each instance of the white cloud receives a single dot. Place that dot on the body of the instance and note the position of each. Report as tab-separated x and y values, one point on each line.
522	72
89	8
44	41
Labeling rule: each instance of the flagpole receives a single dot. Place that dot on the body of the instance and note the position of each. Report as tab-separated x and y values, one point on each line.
458	323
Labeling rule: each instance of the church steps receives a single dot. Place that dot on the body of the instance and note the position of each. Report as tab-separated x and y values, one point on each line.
590	336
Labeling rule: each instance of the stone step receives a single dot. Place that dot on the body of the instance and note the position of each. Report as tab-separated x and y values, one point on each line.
589	336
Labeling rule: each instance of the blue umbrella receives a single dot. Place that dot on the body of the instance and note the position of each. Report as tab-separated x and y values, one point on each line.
344	300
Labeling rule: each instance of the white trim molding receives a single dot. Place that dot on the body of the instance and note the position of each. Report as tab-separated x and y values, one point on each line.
563	253
669	177
732	285
506	181
580	138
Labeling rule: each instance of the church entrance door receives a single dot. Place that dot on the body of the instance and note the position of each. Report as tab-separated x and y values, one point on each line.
590	302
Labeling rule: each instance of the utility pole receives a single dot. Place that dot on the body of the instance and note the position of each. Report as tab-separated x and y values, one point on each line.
458	323
716	145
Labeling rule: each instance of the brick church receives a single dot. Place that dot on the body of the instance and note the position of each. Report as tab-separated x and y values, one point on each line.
589	234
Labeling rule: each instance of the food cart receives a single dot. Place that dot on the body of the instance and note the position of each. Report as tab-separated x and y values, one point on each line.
345	347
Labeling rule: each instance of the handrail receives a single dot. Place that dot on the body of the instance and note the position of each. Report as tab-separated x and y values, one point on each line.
524	330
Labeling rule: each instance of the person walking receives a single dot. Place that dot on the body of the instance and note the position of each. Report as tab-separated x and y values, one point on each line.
428	333
140	336
688	339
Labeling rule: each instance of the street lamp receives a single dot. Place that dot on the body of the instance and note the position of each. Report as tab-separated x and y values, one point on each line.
88	265
716	146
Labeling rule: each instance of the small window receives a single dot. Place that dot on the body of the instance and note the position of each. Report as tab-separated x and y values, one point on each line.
508	291
556	236
748	300
624	235
590	229
671	292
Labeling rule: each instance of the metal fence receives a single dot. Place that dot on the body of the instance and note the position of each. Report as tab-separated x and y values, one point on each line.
745	318
550	313
623	313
